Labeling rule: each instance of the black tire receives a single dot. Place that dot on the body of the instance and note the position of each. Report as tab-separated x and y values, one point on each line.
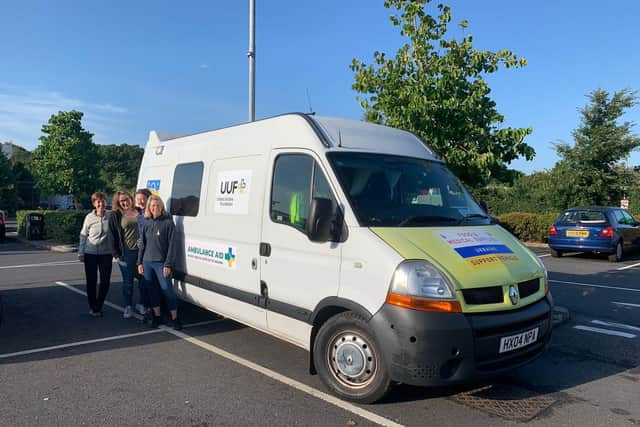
555	253
349	360
618	254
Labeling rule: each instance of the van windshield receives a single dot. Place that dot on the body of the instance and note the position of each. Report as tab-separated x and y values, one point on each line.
396	191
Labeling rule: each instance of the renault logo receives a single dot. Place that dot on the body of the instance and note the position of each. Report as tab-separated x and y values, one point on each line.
513	295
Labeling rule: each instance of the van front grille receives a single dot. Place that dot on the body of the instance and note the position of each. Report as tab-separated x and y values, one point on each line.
528	288
477	296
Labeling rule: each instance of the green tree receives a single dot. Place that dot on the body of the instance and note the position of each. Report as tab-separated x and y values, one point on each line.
434	87
7	185
21	162
590	171
20	155
66	161
119	166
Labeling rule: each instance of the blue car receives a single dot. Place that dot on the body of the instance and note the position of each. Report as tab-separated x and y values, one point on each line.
608	230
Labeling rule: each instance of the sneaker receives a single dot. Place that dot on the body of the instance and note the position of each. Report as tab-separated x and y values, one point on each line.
177	324
146	318
93	313
156	321
140	309
127	312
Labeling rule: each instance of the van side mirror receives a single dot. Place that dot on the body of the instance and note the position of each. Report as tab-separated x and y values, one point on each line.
319	224
484	206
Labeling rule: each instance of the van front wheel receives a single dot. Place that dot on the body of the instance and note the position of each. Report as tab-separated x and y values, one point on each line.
349	360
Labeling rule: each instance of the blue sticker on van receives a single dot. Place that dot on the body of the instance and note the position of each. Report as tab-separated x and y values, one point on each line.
479	250
153	184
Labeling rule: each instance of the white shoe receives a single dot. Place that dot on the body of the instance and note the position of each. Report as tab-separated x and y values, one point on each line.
140	308
127	312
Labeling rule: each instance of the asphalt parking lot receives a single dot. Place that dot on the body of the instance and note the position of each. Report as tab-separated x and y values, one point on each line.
58	366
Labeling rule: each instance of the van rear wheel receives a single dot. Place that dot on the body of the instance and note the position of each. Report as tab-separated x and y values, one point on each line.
349	360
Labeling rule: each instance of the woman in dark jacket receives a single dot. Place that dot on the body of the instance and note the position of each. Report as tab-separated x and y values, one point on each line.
157	258
124	236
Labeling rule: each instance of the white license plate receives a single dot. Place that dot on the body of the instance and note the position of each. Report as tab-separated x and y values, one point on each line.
513	342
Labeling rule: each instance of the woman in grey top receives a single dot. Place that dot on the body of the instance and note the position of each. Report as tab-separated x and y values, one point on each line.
95	252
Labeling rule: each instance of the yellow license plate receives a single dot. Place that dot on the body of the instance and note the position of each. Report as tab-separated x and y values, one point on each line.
578	233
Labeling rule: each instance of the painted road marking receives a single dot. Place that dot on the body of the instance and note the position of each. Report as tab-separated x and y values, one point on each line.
604	331
629	266
542	256
261	369
616	325
78	343
595	286
626	304
44	264
286	380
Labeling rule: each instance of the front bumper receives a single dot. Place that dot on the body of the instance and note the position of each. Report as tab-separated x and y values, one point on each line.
427	348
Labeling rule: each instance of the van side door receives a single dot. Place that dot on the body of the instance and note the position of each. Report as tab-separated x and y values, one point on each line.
296	273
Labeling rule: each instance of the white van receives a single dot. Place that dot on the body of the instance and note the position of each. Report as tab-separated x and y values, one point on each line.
354	242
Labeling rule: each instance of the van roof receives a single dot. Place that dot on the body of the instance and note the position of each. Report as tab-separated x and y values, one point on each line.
337	134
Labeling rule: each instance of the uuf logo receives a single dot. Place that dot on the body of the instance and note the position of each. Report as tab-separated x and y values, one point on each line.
230	187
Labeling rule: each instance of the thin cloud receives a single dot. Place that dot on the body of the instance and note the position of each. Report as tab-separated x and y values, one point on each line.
23	111
204	66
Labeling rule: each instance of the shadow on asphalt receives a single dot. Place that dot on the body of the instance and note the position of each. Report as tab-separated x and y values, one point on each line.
52	316
11	247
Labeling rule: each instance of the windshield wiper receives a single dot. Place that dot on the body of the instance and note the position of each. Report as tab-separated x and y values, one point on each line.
475	215
425	218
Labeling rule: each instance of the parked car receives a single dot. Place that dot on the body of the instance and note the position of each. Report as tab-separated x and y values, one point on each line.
608	230
3	227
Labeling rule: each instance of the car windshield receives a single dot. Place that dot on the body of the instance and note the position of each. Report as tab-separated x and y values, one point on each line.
586	216
392	191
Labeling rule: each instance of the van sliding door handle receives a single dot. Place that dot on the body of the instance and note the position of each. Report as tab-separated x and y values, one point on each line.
265	249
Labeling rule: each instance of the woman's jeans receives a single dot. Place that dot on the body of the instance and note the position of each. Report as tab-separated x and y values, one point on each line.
154	268
128	268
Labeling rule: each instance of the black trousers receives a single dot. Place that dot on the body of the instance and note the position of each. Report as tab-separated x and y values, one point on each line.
93	264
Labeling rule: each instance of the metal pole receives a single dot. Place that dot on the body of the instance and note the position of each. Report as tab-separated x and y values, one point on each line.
252	60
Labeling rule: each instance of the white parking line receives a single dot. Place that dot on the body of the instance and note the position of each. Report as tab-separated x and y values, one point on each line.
591	285
604	331
107	303
78	343
626	304
261	369
43	264
616	325
542	256
628	266
288	381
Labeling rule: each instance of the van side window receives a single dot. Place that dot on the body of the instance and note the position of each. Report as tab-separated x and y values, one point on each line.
185	191
296	179
291	189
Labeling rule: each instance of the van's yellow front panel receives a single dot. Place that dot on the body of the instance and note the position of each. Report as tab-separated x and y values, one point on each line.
471	257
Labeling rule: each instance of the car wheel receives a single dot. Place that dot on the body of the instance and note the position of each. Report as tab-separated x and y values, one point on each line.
555	253
617	255
349	360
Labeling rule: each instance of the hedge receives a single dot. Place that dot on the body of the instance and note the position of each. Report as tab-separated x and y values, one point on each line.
59	226
528	227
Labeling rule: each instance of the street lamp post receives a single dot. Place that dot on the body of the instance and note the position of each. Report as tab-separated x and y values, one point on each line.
252	60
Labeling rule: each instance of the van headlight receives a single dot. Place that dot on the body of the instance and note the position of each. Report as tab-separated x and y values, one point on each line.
545	273
419	285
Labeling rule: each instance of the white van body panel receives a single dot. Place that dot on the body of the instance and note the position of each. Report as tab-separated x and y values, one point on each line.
368	264
299	273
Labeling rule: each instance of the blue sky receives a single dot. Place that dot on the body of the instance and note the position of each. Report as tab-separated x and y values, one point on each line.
132	67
